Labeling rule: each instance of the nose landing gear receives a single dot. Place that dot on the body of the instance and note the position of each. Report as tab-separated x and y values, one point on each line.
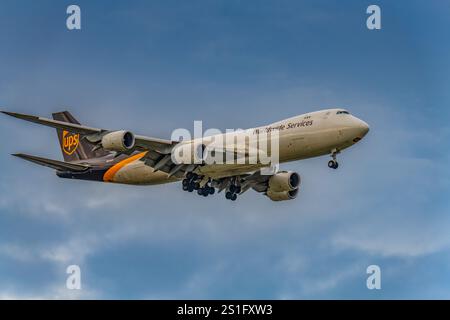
333	164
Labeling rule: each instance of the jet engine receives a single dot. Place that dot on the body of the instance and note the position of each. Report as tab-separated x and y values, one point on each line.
284	195
283	186
118	141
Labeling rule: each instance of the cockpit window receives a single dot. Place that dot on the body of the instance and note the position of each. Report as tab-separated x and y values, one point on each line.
342	112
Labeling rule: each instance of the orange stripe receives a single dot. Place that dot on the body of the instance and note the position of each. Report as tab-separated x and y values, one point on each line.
109	175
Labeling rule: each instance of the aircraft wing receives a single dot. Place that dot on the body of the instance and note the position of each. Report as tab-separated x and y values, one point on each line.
142	142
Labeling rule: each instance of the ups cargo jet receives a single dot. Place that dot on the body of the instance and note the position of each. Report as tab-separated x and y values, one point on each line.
122	157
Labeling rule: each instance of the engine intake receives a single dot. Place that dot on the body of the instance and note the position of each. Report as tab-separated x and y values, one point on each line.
284	181
118	141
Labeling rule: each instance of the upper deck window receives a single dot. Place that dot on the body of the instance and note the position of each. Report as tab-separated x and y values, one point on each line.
342	112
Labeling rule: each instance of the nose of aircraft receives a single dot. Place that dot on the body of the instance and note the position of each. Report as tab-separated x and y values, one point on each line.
363	127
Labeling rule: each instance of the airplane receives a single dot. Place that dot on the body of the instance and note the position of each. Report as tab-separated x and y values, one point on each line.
125	158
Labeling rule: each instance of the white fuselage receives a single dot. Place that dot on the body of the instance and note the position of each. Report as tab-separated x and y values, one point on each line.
305	136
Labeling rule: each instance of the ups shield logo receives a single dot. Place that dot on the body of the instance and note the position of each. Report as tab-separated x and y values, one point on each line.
70	142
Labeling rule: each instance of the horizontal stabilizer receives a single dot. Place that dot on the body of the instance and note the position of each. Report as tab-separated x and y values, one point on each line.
54	164
142	143
72	127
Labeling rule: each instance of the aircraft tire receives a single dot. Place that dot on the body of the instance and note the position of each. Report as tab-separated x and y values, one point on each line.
333	164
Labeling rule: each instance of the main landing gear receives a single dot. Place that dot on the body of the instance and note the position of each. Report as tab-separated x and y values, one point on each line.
205	187
333	164
206	191
232	192
193	182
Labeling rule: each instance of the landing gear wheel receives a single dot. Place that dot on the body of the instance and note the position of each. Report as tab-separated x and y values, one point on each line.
234	197
211	190
232	188
190	187
185	182
228	195
333	164
238	190
185	188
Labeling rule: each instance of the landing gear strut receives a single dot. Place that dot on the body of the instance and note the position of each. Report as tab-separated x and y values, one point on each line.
333	164
235	189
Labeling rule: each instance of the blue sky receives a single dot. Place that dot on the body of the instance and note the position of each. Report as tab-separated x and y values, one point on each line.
152	66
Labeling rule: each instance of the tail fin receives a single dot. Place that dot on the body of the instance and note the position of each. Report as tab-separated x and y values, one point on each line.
73	147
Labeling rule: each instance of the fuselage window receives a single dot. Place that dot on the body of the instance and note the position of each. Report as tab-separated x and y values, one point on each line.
342	112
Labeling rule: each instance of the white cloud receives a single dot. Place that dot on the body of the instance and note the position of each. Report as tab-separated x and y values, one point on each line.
394	238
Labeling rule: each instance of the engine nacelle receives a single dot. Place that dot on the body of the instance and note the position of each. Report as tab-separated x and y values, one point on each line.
284	181
188	153
118	141
283	195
